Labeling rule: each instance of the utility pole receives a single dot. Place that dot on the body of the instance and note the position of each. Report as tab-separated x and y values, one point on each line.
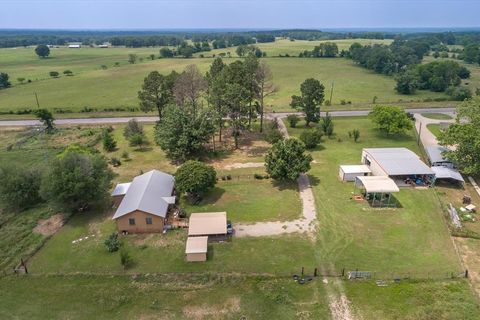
36	98
419	133
331	92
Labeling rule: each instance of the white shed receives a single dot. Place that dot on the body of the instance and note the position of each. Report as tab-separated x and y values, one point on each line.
349	172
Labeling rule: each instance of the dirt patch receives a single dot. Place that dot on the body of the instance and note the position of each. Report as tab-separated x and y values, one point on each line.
340	308
218	311
50	226
244	165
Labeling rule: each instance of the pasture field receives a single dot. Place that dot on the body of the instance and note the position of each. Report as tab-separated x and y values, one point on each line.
116	87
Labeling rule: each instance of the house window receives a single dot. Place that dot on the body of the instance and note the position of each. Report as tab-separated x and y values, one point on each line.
148	220
131	221
366	161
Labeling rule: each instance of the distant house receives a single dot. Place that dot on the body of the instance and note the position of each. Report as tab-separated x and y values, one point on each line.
74	45
104	45
144	203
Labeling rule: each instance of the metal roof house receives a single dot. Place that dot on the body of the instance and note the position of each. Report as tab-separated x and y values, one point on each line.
436	158
396	162
145	203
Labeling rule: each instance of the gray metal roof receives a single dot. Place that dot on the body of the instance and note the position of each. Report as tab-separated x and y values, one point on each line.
434	153
149	192
399	161
447	173
121	189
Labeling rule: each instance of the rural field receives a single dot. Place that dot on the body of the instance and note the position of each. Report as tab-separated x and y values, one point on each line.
113	91
249	277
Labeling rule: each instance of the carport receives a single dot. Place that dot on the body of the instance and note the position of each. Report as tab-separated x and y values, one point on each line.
377	190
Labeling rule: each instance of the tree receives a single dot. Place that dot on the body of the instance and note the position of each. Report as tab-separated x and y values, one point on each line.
195	178
391	120
293	120
182	133
132	127
215	91
327	125
251	66
152	56
465	136
407	82
189	86
109	143
286	160
19	188
4	83
138	140
312	95
54	74
46	118
157	92
112	243
42	51
263	77
68	73
132	58
166	53
76	180
311	138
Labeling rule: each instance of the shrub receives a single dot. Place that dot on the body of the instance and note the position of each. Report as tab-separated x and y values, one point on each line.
293	120
311	138
126	259
109	143
273	136
115	162
355	134
125	155
459	93
54	74
112	243
327	125
132	127
68	73
138	140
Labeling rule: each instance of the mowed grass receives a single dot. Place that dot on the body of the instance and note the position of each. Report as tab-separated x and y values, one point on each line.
447	299
159	297
436	116
164	253
247	199
117	87
434	128
410	239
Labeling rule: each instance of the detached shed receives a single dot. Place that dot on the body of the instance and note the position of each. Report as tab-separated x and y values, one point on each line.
211	224
349	172
196	249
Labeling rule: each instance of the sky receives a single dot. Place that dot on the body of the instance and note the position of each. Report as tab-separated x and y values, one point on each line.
249	14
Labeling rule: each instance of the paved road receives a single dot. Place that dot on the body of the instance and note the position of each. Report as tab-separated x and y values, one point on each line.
351	113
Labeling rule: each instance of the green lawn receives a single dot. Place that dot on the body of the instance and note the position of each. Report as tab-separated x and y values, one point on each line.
164	253
413	238
437	116
159	297
246	199
116	87
449	299
434	128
